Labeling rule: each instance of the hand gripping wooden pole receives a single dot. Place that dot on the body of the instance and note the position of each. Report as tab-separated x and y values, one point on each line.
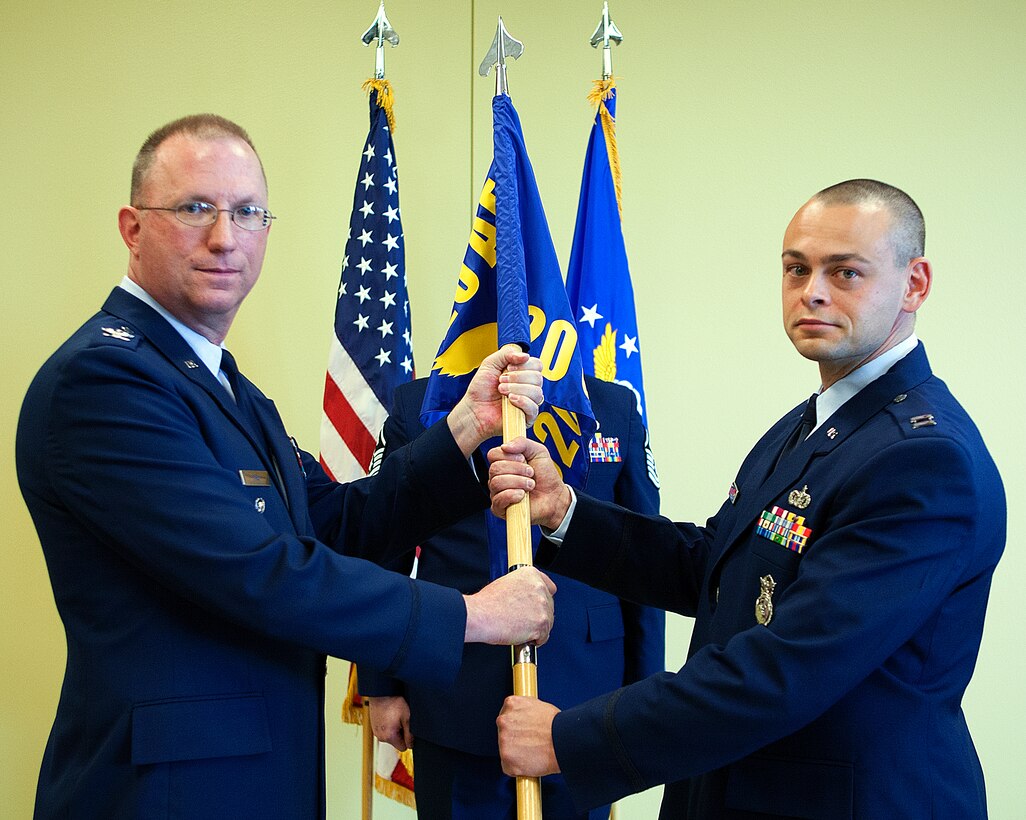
525	657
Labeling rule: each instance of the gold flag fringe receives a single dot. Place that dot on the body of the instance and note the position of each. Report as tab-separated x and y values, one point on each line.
603	90
352	710
386	99
397	791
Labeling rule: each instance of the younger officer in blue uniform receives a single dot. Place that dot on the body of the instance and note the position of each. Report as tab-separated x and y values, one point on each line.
838	594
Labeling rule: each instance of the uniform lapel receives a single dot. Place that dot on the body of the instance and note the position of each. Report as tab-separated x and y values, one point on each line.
852	415
269	439
770	475
176	350
285	456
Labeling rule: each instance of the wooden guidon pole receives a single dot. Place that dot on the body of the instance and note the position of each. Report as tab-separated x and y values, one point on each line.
525	656
367	767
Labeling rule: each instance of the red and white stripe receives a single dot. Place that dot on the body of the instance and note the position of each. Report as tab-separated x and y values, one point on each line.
351	418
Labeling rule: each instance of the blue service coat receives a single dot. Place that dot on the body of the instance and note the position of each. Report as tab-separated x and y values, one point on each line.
844	701
198	603
597	643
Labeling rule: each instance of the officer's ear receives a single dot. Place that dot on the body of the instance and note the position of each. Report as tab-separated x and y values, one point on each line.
129	224
919	280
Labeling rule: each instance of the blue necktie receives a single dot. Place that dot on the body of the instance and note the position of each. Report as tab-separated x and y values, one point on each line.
238	392
808	421
245	407
802	431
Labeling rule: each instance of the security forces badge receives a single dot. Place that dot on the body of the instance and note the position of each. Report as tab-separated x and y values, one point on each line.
764	603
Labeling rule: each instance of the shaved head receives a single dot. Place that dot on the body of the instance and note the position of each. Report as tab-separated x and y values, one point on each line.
907	230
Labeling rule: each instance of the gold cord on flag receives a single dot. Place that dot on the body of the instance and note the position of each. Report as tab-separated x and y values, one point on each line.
386	99
603	90
352	706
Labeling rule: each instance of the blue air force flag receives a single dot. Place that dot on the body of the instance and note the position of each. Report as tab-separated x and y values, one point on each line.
598	278
511	290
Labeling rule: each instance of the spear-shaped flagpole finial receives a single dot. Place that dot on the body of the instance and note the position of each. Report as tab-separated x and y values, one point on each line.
606	33
380	31
504	45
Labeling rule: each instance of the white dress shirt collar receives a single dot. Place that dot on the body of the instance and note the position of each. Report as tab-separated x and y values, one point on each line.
830	400
205	350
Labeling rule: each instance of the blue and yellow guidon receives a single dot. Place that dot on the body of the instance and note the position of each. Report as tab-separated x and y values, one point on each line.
473	334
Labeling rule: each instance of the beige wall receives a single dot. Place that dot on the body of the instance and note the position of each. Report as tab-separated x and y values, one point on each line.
731	114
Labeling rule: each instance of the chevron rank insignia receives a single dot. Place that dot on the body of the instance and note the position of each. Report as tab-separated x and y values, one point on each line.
653	476
379	454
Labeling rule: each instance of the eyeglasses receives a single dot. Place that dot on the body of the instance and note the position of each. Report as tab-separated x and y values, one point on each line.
202	214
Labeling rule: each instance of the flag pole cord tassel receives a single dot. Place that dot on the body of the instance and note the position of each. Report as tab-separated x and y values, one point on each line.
603	90
386	99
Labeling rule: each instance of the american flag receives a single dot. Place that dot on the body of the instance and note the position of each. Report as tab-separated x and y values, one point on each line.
371	353
372	349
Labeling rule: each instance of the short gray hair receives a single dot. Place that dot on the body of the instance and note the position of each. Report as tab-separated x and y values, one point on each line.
201	126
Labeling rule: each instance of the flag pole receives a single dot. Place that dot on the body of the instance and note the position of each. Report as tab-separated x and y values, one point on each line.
379	33
605	33
525	656
518	516
367	766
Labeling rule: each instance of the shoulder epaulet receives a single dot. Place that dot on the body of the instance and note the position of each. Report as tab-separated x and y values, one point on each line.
913	414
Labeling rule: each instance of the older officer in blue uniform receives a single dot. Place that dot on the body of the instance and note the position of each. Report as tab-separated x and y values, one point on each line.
597	643
838	594
195	551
